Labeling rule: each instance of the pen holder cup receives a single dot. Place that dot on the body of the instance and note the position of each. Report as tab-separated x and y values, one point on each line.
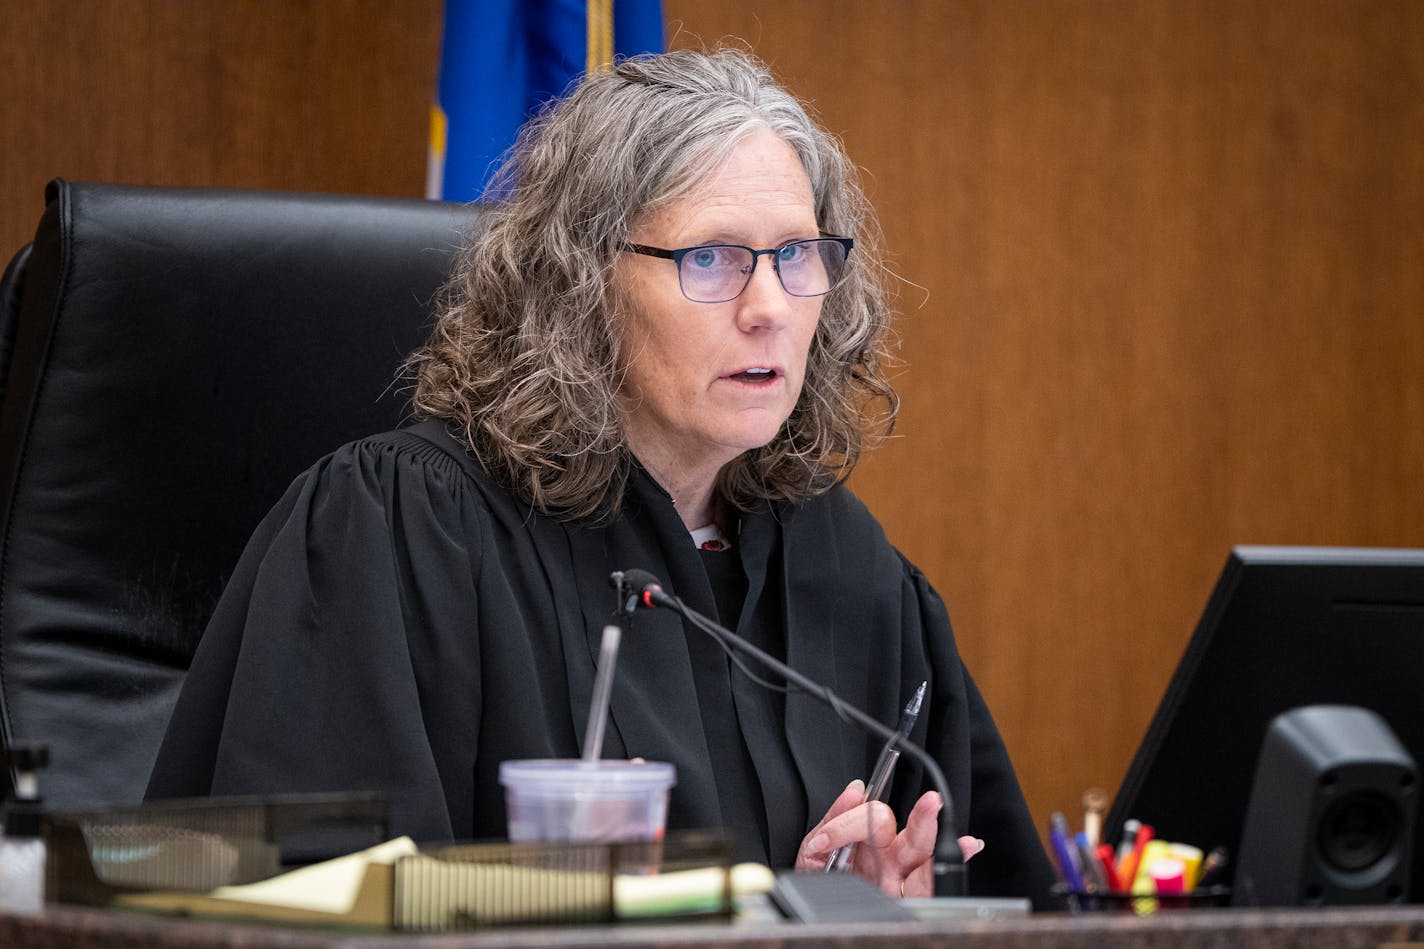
1140	904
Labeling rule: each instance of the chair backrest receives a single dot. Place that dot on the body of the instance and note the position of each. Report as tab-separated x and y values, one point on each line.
175	358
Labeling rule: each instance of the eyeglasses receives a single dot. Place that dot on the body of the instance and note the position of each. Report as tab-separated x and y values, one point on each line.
716	273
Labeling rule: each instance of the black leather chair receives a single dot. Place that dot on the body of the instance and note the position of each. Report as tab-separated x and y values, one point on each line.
170	359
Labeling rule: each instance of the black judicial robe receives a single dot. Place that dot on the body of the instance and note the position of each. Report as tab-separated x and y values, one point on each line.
400	622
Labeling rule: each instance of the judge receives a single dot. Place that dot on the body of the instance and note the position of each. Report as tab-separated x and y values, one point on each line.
662	350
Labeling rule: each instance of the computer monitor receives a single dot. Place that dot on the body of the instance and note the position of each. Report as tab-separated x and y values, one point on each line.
1285	627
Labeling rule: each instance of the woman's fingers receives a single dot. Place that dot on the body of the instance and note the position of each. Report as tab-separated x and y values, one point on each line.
906	865
901	864
852	796
871	824
819	843
868	825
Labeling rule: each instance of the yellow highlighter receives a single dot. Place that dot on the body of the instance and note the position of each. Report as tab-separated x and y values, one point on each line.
1142	883
1142	880
1191	858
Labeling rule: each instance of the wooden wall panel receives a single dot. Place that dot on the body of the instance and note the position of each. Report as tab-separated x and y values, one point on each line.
1166	267
318	96
1165	294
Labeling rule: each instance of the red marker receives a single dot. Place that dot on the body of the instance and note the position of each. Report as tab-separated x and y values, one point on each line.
1105	857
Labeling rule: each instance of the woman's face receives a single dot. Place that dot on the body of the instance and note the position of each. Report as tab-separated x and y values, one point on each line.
707	381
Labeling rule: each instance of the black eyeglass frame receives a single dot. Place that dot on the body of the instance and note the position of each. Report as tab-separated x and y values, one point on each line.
676	257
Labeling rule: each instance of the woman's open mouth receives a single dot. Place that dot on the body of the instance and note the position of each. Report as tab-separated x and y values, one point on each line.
754	375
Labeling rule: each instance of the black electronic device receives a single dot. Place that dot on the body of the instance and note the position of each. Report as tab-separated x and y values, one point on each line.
1332	811
835	898
1285	627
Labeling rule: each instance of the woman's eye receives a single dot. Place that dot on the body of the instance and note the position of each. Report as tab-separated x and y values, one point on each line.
791	253
705	257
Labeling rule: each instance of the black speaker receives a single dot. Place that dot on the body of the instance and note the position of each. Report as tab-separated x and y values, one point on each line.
1332	810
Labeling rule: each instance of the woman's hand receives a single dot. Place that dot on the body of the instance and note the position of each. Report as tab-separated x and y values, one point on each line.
901	864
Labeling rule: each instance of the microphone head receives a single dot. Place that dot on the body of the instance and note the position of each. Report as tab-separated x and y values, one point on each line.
638	581
641	588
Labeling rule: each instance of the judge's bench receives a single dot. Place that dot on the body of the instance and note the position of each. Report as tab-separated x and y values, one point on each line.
61	927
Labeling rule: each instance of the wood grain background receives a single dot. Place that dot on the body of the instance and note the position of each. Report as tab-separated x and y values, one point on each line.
1163	264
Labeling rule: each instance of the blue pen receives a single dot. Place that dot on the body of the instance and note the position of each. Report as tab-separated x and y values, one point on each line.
1063	853
1088	866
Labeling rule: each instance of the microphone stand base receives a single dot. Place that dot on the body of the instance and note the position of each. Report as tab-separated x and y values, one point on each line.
951	880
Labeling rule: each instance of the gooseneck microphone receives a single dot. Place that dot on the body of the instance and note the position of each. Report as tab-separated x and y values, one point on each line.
640	588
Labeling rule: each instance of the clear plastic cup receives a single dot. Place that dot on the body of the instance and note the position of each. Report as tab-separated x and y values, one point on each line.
570	799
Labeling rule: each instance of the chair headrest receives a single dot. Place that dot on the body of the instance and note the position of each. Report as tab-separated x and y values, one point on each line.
181	355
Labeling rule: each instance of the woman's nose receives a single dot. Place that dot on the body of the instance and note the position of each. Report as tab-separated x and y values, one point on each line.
764	304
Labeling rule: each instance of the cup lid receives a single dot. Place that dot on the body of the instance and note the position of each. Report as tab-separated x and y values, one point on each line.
551	773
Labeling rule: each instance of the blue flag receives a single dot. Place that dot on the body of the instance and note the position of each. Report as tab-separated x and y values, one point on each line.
502	59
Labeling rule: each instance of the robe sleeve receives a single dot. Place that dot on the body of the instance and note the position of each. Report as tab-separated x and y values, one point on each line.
1013	860
359	583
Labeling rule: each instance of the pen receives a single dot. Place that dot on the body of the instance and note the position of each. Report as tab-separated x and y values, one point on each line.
1063	853
1109	865
1129	869
1213	868
879	781
1092	871
1095	801
1129	838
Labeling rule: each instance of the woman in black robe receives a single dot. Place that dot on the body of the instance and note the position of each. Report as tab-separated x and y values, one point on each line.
662	351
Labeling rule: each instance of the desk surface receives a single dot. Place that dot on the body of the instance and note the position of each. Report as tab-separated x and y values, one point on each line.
1363	927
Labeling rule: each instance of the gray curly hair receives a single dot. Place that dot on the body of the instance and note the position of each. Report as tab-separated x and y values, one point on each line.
525	356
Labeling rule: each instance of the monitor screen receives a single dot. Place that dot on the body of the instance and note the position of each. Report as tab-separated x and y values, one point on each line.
1285	627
